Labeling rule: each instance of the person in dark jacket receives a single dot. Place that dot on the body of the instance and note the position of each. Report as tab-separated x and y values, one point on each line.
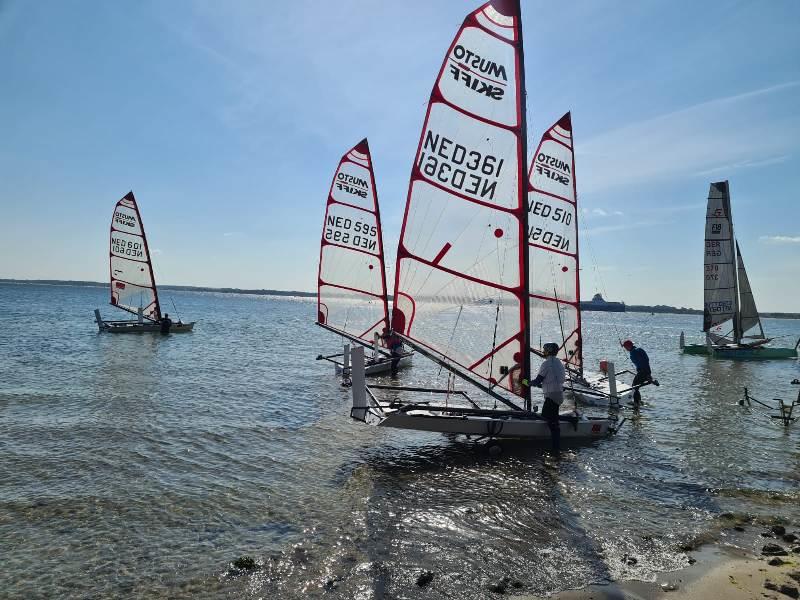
641	361
165	323
394	344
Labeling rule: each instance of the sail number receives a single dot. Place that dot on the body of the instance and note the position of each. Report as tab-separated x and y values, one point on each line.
342	230
465	170
712	272
713	249
122	247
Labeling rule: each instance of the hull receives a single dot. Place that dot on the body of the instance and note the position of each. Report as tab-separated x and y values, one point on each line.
585	392
741	352
507	427
699	349
136	327
381	367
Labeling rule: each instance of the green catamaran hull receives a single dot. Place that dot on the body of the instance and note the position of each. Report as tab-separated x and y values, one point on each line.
742	352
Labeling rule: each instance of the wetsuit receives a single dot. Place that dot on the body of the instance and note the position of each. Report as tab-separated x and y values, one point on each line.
166	323
641	361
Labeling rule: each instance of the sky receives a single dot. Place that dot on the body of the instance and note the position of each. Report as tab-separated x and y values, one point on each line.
227	120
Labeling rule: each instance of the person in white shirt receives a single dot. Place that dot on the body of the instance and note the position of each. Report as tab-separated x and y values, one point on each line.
551	379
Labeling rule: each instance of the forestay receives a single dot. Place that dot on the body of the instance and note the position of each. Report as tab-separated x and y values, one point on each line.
721	301
553	240
748	313
133	286
461	263
352	281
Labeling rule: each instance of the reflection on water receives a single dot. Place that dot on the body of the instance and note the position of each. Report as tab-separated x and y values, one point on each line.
140	466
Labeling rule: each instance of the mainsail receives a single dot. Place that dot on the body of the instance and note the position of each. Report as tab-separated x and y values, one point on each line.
133	286
748	313
721	296
553	241
461	276
352	281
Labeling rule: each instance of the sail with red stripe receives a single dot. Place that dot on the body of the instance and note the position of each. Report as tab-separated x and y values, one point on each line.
352	282
460	287
553	241
133	286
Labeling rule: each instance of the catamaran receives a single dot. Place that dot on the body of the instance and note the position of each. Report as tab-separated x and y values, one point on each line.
462	280
351	283
730	317
555	270
133	285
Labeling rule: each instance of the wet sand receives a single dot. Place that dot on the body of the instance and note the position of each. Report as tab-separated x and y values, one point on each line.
721	572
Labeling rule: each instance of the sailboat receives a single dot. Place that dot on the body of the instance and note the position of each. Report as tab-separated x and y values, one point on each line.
133	285
730	317
351	282
555	270
462	292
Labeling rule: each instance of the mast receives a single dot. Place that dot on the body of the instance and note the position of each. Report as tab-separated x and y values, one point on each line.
737	317
526	303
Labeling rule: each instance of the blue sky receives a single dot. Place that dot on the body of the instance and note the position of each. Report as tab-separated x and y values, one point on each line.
228	119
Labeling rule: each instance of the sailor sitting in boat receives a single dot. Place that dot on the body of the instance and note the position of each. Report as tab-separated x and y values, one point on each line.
165	323
551	379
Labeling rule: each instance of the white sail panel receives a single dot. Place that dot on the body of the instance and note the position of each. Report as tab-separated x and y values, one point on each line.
748	313
351	282
459	277
553	239
132	283
719	273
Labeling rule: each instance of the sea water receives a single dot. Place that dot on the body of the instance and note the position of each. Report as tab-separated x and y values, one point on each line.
141	466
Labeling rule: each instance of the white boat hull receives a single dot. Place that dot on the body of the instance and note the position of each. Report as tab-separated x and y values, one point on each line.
507	427
585	393
381	367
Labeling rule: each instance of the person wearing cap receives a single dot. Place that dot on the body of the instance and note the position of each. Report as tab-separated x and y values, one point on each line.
641	361
165	323
551	379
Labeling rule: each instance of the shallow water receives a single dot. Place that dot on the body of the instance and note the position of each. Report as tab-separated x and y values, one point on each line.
142	465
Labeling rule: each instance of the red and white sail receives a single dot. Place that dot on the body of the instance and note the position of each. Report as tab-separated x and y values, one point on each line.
352	281
553	240
460	277
133	286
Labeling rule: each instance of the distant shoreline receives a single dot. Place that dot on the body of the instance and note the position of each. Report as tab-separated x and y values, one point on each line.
659	308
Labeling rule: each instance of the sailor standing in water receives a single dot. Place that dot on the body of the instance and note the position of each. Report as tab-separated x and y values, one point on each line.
551	379
641	361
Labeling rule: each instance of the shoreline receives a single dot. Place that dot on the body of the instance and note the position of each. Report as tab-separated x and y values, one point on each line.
723	570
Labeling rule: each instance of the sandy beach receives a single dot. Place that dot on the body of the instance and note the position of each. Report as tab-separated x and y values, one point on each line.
721	570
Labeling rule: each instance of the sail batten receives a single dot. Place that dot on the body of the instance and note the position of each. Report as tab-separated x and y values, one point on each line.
351	281
133	286
553	242
460	279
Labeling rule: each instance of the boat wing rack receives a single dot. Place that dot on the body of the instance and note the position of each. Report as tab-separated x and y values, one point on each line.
785	410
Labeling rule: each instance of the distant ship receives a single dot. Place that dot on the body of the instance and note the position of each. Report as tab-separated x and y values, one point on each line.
597	303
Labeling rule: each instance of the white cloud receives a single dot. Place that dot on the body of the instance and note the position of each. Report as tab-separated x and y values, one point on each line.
720	135
780	239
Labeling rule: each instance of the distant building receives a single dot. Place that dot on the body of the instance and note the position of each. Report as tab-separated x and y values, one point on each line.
597	303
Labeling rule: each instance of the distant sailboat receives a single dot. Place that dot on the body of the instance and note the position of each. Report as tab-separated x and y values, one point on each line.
351	283
133	285
462	291
730	317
